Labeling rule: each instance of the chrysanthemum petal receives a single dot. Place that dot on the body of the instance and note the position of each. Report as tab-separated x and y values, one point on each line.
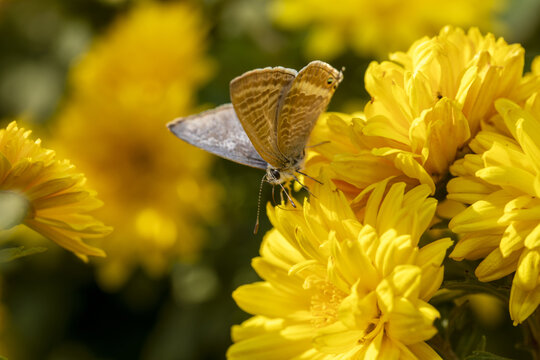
524	127
467	189
502	222
523	303
532	240
284	344
360	286
512	238
527	273
412	321
276	249
254	326
495	266
262	298
336	339
481	215
430	258
423	351
50	187
72	243
355	264
57	195
357	310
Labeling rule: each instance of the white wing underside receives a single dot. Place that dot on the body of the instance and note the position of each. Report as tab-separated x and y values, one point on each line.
218	131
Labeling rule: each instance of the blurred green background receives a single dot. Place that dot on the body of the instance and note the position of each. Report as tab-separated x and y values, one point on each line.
52	305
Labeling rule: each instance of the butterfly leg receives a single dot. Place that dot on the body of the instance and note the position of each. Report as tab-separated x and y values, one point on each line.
283	190
274	196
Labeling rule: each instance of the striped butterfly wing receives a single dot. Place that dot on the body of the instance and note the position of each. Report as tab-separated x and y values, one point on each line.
308	96
218	131
256	96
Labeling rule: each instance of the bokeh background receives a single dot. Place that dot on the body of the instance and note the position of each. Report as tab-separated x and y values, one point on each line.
97	80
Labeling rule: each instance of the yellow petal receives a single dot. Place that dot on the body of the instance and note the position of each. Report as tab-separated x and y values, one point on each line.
508	177
527	274
495	266
284	344
481	215
404	281
513	237
263	299
358	309
475	246
257	325
523	303
72	243
423	351
336	339
411	323
532	241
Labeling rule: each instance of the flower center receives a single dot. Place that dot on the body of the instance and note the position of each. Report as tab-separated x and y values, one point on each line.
325	304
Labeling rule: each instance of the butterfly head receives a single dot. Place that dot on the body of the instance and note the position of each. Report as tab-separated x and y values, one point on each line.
279	176
284	174
334	78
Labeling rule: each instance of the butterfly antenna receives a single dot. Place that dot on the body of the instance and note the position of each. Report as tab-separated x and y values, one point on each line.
318	144
306	175
256	229
303	186
288	196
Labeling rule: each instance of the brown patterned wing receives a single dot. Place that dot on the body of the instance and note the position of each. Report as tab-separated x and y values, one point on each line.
307	98
219	132
256	96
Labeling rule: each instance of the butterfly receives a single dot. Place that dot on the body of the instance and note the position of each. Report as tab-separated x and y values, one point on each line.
268	122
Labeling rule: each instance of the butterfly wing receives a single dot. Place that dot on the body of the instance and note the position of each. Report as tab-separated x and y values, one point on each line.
219	132
255	96
309	95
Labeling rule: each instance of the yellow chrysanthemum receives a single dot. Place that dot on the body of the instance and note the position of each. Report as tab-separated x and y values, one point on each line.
141	74
46	194
335	287
378	27
424	108
501	183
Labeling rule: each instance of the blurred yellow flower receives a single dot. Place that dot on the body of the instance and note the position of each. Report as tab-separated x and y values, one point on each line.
335	287
46	194
488	309
378	27
141	74
424	108
500	181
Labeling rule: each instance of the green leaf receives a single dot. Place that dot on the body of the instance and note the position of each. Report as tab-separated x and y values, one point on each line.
484	355
11	254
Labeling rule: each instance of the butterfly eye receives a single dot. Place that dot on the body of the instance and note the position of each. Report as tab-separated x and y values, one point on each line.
330	80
